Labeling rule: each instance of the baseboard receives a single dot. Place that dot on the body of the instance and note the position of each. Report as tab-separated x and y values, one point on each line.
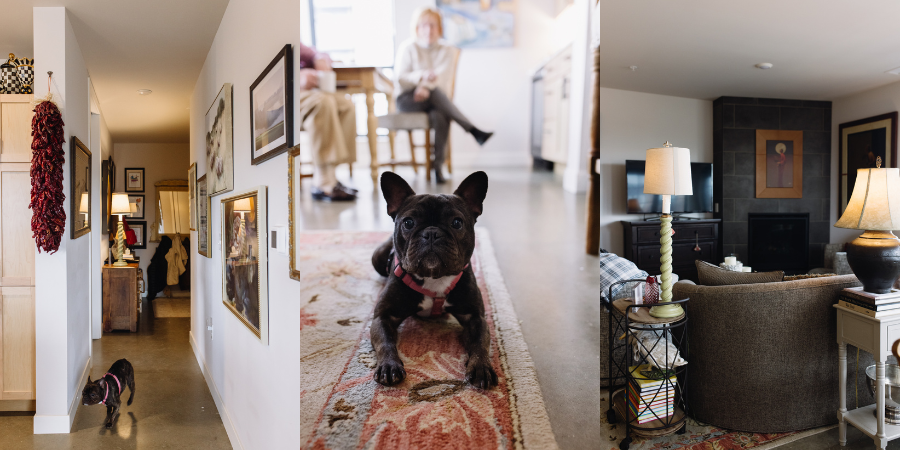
220	405
44	424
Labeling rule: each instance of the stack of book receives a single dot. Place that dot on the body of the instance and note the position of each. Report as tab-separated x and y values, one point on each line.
650	397
872	305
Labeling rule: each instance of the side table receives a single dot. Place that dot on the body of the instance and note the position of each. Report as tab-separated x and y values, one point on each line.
874	335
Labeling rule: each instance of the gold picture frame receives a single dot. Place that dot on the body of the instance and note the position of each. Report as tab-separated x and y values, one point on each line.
295	177
779	164
203	207
192	193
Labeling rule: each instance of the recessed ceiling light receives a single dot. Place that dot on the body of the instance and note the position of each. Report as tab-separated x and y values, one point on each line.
145	91
633	68
894	71
765	66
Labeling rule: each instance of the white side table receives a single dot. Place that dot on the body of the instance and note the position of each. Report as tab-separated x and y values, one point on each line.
876	337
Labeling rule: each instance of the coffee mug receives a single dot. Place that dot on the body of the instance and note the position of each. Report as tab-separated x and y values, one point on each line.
327	80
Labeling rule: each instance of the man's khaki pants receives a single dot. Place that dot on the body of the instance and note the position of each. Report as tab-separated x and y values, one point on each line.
330	120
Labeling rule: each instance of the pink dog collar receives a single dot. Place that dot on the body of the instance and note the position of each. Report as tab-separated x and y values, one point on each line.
437	307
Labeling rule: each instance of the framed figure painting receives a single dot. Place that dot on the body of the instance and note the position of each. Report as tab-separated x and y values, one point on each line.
860	143
138	201
244	259
779	164
134	179
80	220
202	207
219	143
272	109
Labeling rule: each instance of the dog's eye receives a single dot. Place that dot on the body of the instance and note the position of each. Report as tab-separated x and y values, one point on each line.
408	223
457	223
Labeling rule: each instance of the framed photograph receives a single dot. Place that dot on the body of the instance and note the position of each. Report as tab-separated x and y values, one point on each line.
779	164
219	143
272	109
295	177
192	192
108	186
203	228
140	232
244	259
134	180
138	201
860	143
80	200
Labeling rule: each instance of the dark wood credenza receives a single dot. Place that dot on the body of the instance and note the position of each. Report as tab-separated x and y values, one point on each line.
642	245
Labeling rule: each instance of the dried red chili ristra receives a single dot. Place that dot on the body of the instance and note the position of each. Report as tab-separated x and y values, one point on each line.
48	218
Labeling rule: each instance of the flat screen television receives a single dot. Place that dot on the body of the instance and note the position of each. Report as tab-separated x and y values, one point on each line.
640	203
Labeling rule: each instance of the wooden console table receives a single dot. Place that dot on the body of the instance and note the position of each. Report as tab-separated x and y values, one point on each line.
121	297
366	80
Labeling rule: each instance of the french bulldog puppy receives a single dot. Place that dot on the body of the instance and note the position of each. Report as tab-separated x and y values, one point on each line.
107	389
427	265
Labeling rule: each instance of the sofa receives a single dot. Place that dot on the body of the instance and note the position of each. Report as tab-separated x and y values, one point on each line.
763	357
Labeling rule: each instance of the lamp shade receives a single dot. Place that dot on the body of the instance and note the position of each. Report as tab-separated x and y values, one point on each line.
133	207
243	205
668	171
120	204
83	207
875	203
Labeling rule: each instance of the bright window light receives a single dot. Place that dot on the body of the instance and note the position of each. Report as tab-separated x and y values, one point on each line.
354	32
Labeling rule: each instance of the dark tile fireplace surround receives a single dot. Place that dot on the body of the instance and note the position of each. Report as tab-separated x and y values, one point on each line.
735	121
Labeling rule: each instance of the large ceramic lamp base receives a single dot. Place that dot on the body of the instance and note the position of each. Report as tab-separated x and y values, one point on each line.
666	310
874	258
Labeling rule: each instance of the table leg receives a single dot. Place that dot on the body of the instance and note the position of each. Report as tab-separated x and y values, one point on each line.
879	402
372	123
842	377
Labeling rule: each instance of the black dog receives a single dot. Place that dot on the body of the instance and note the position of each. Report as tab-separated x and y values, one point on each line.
427	265
107	389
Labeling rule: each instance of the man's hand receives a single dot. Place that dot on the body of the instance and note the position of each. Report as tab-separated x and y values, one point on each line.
323	62
308	79
421	94
429	76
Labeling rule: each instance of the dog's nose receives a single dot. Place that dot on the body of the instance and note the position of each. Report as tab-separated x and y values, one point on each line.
432	234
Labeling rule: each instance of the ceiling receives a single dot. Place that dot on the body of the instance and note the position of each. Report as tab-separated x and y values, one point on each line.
708	48
129	45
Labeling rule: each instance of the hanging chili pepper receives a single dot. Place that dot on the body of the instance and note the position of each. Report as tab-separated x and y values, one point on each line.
48	218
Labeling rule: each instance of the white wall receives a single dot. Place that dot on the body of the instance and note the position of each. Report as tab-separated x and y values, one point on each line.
101	149
632	122
847	109
160	162
62	280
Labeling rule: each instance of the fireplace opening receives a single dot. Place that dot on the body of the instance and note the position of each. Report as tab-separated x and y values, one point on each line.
778	241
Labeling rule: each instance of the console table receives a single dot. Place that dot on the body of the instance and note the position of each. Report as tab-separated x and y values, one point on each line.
642	245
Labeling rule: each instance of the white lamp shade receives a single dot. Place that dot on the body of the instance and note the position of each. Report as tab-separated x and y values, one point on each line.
668	171
83	207
133	207
872	205
120	204
243	205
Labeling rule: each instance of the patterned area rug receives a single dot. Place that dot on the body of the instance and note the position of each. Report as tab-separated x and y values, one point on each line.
343	408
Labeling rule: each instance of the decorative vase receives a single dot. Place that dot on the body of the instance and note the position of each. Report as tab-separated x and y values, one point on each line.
25	71
9	78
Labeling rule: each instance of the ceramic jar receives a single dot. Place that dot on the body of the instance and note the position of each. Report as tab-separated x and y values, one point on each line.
25	71
9	77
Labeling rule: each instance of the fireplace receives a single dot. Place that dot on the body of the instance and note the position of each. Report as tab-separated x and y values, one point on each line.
778	241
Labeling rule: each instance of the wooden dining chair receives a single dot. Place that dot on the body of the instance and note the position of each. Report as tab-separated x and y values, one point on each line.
411	121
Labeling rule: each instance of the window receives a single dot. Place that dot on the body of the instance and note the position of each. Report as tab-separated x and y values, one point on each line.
354	32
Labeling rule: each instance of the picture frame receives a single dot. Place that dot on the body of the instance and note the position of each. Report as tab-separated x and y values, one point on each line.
204	234
140	232
244	259
134	179
295	177
779	164
108	186
220	142
272	109
138	200
80	188
860	143
192	192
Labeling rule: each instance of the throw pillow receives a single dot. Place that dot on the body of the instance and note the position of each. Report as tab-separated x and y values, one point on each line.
711	275
613	269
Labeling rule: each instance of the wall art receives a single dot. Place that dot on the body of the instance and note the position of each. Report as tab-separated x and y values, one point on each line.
203	228
860	143
779	164
272	109
134	179
80	188
219	143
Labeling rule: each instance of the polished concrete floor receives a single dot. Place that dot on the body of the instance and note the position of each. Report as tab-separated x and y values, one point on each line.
172	406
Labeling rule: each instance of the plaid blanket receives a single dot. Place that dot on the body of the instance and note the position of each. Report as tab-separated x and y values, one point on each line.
613	269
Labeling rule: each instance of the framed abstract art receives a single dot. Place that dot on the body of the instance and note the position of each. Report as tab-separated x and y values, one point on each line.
860	143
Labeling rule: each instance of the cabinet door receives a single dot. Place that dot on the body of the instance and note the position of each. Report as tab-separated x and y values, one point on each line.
15	128
17	343
119	298
16	242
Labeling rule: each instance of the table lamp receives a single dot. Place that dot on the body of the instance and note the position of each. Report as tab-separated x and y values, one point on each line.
667	173
83	206
875	255
242	206
121	208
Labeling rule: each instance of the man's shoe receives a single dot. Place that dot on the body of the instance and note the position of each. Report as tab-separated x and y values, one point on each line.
481	136
346	189
336	195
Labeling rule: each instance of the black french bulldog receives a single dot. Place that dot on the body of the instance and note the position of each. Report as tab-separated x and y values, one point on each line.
107	389
427	265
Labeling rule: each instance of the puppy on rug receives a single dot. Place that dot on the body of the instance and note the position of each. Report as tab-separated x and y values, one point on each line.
108	388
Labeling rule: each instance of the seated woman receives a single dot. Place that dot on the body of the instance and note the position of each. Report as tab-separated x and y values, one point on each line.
424	77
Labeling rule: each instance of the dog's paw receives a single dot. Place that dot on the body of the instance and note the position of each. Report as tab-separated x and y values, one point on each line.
389	372
481	375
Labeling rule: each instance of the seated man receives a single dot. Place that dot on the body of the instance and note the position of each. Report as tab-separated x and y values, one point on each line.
330	120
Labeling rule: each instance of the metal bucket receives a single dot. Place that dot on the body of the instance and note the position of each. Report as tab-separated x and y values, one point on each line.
891	391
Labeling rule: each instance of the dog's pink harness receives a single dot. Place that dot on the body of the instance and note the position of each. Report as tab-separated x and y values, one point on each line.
105	395
437	306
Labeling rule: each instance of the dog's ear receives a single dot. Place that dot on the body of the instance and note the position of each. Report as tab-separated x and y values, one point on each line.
395	190
89	379
101	382
473	190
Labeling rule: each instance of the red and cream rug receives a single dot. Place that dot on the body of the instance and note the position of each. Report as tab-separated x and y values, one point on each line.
343	408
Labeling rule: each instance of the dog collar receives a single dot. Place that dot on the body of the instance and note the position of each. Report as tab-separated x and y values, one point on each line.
105	395
437	306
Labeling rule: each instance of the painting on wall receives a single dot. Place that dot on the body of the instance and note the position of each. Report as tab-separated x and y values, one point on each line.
271	109
80	209
134	179
192	193
138	201
779	164
244	259
108	185
140	233
202	207
860	143
219	143
479	23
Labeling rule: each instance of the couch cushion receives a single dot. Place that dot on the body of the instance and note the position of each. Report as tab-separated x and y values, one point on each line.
711	275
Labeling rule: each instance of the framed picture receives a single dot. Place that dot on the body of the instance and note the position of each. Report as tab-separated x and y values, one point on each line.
779	164
860	143
140	232
108	185
272	109
202	207
219	143
244	261
192	192
134	180
138	201
295	177
80	200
